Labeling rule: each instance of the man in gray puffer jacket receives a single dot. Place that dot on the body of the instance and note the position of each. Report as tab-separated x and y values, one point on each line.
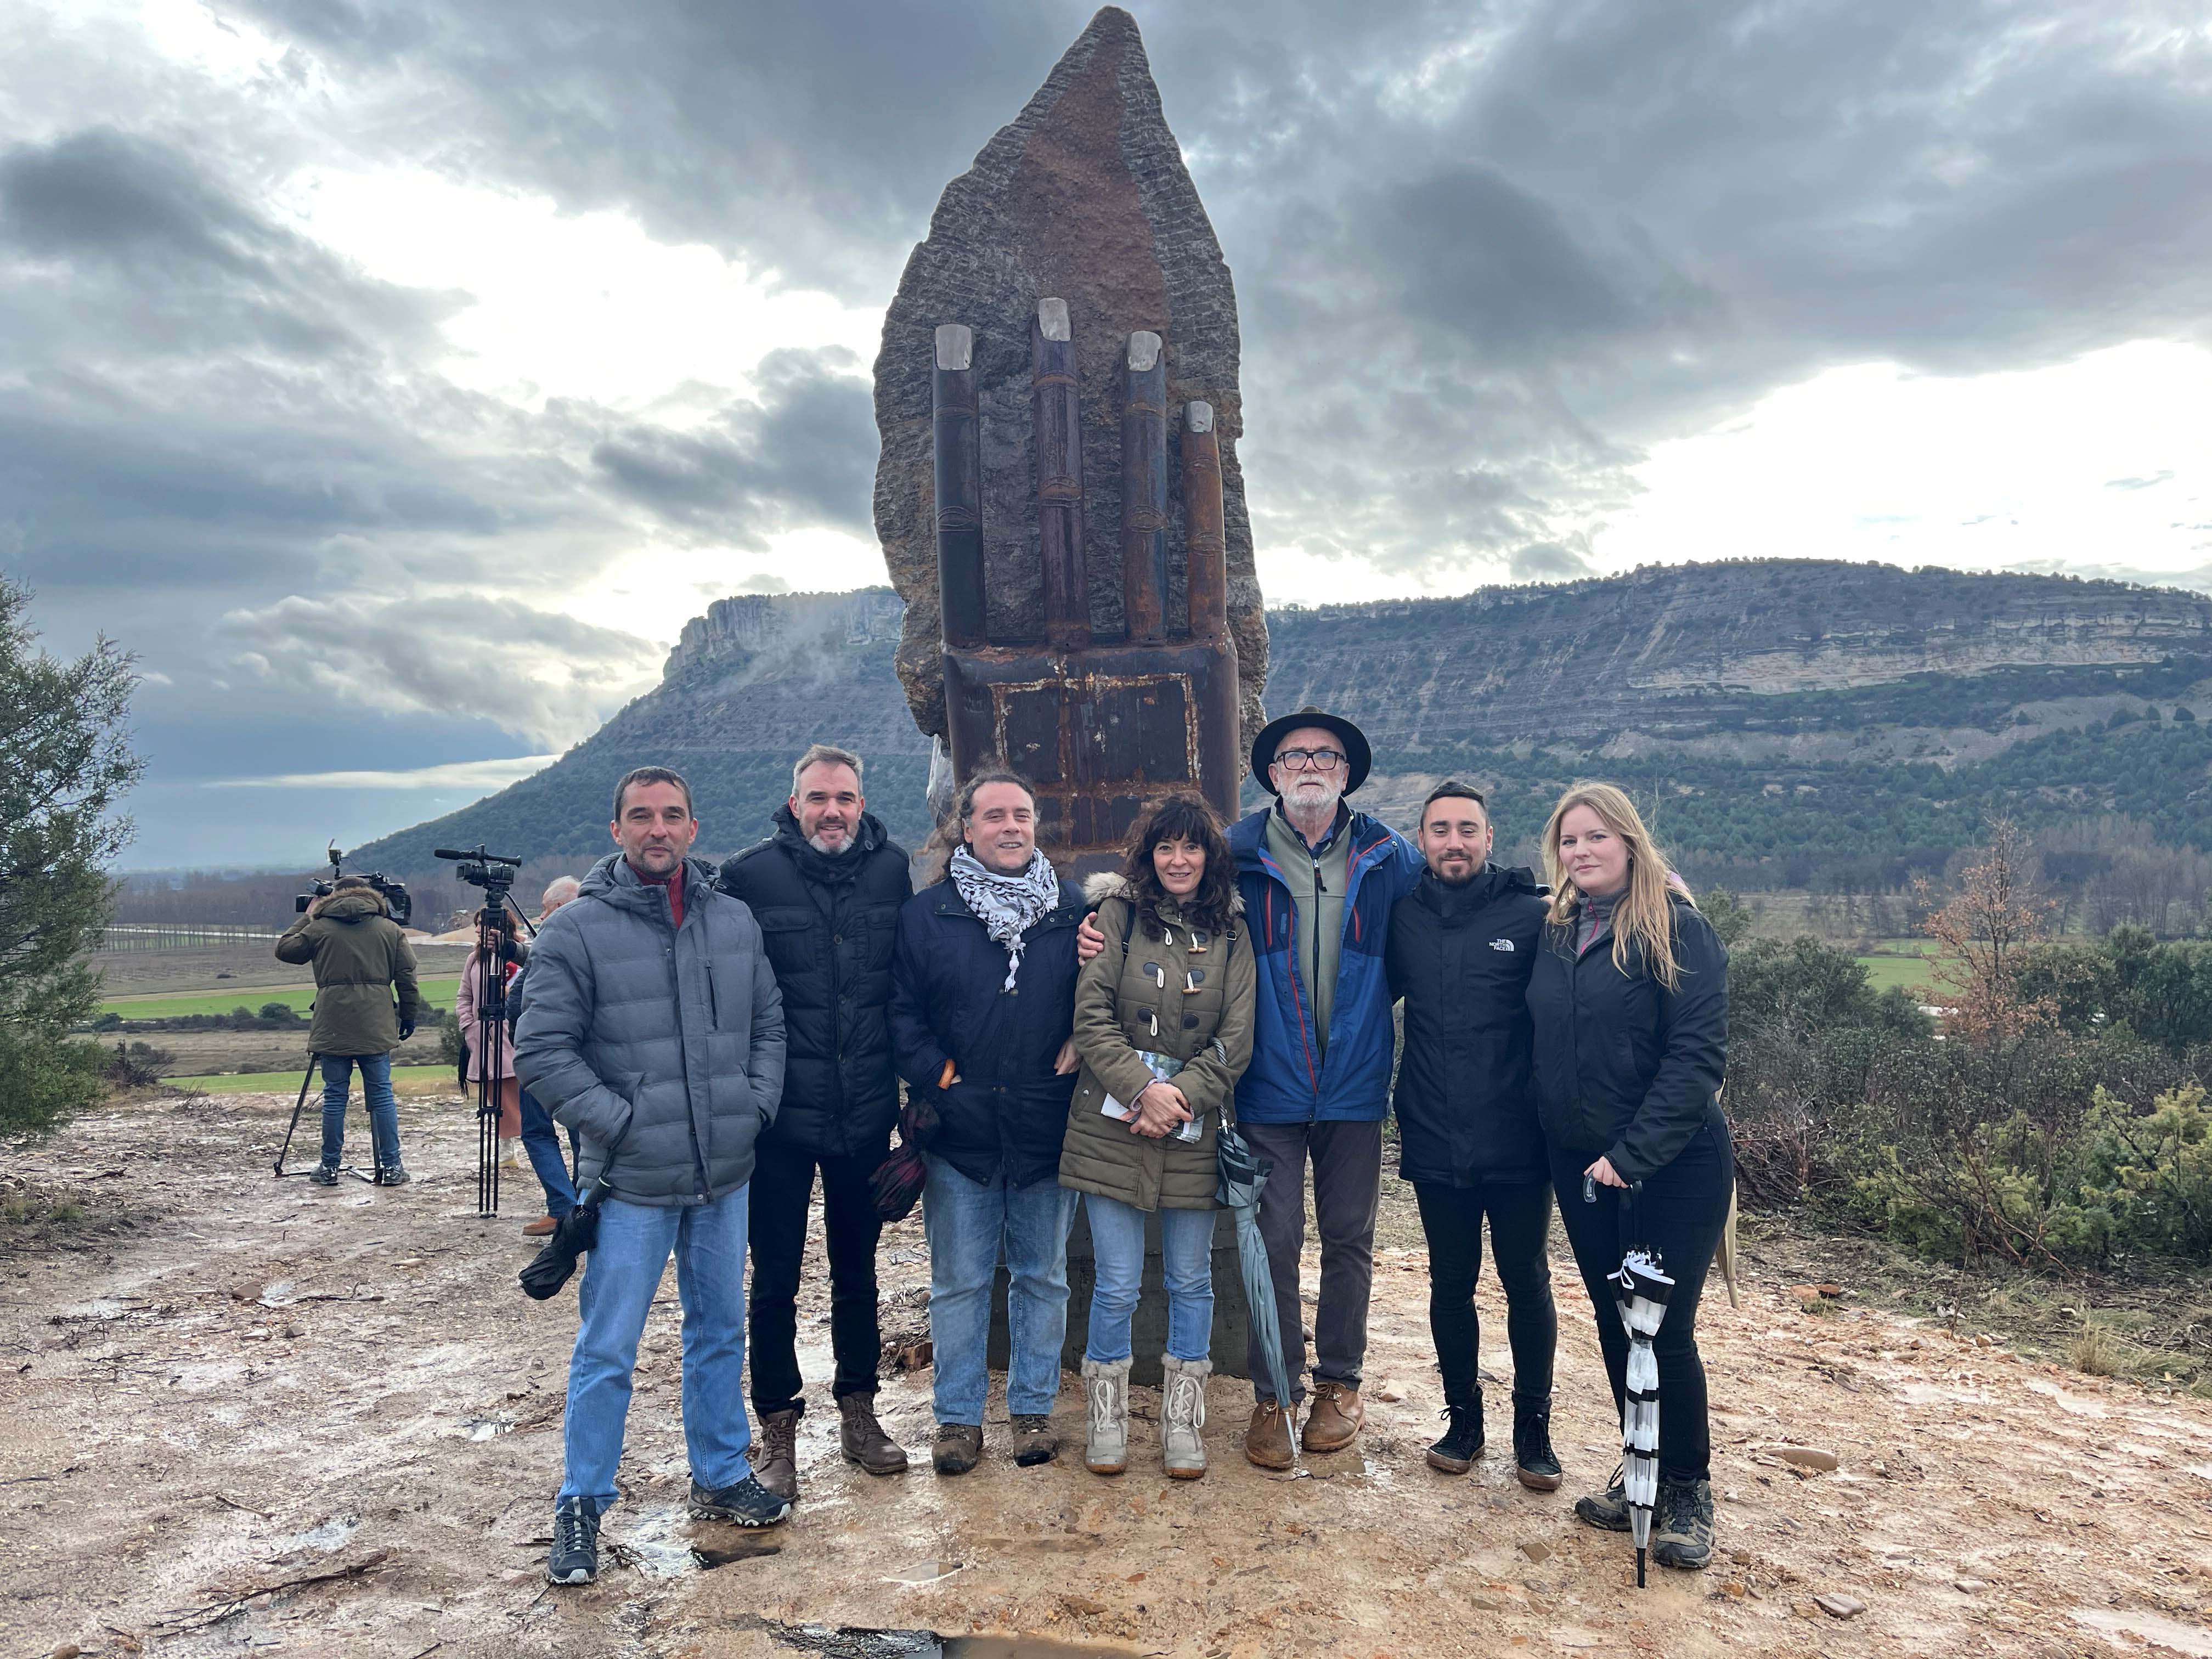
651	1026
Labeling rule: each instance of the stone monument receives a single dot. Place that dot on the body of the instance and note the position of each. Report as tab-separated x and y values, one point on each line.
1061	506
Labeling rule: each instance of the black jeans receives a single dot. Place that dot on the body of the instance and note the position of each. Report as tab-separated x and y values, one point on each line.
1519	1219
1680	1213
782	1188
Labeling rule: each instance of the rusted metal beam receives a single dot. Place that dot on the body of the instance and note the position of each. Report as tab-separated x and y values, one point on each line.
1207	580
1145	490
959	484
1059	476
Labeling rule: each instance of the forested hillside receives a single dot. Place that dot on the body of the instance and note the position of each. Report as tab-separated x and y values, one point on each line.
1789	723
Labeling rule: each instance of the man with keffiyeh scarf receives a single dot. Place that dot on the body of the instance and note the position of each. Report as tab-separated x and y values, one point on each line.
982	1009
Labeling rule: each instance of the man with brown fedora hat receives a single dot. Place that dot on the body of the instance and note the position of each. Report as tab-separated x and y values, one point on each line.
1318	882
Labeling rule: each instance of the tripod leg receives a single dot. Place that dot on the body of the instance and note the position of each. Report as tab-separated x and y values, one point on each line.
298	1106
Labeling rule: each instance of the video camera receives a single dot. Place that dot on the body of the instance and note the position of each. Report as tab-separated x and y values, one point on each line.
493	871
396	898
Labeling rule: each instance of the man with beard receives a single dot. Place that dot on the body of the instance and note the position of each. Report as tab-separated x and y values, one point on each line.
1462	947
826	889
1319	882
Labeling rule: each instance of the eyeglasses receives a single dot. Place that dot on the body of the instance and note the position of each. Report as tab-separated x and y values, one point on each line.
1320	760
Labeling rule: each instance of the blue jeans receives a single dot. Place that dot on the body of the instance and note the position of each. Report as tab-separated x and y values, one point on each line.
383	1109
1117	1243
542	1142
967	1223
620	1277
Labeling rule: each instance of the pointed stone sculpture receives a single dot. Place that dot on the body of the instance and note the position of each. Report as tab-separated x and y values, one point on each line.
1075	247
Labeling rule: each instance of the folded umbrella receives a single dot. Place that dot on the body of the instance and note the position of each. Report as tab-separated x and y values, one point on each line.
898	1179
1243	1173
1641	1288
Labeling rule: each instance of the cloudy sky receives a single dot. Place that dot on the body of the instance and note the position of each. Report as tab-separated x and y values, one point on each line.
346	345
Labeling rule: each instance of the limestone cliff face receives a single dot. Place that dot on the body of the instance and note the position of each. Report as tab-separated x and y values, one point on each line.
736	631
1686	650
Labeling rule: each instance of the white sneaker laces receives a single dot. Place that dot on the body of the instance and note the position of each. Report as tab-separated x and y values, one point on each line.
1104	1419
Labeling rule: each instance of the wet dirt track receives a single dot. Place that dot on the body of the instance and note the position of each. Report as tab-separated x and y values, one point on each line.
245	1415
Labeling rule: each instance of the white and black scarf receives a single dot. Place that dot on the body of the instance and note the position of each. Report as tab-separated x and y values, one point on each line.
1007	906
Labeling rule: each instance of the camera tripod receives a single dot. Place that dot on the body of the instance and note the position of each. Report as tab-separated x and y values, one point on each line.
495	948
307	1081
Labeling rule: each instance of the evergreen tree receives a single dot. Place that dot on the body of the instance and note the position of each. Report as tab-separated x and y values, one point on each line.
66	761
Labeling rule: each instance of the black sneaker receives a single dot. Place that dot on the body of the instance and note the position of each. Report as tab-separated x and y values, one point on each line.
1682	1527
393	1175
323	1175
1035	1441
1454	1453
1609	1508
1533	1461
575	1557
748	1503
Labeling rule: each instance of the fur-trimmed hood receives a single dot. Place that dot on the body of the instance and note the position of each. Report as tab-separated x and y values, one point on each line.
1104	884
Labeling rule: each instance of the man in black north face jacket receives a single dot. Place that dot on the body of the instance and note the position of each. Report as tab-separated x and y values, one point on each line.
1460	949
826	889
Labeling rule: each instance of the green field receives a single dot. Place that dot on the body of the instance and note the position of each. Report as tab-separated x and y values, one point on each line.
1909	963
175	1005
405	1081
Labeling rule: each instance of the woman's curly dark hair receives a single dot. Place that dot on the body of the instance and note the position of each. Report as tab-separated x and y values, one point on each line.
1183	817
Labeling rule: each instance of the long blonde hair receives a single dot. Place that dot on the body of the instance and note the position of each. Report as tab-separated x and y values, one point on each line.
1642	916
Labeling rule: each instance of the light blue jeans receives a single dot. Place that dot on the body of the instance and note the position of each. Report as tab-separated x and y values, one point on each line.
968	1224
383	1107
1117	1243
621	1274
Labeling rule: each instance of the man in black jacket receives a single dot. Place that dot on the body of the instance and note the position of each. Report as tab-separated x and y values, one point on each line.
1461	946
826	889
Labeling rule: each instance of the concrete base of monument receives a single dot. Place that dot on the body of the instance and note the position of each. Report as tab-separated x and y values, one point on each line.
1232	1321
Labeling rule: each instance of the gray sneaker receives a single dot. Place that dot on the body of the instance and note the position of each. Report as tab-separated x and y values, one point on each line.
1607	1509
575	1557
323	1174
1682	1530
393	1175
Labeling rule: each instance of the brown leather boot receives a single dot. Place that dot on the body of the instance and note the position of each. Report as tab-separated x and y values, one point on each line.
777	1465
862	1439
1333	1422
1267	1439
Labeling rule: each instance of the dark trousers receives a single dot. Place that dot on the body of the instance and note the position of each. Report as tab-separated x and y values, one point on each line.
1520	1221
1680	1213
1347	1180
782	1188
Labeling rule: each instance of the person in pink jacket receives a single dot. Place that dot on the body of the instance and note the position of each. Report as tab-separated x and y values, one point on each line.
466	1002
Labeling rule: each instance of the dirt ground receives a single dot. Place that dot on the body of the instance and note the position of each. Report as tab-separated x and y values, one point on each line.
249	1414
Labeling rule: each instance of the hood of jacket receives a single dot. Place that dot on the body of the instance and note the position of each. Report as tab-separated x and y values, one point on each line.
828	869
355	904
611	881
1103	884
1492	882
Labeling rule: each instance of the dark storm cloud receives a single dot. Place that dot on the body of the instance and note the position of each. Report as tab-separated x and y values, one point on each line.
803	453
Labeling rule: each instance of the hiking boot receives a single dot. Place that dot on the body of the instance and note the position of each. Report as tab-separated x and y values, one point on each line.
1267	1439
1462	1441
1035	1441
1106	1416
323	1175
541	1228
1333	1422
1682	1527
1534	1463
1609	1508
575	1557
748	1503
958	1448
392	1175
1182	1416
862	1439
776	1467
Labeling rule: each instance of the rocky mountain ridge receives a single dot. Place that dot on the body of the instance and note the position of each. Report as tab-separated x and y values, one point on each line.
1779	708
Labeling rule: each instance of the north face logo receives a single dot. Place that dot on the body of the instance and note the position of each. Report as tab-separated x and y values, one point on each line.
1501	944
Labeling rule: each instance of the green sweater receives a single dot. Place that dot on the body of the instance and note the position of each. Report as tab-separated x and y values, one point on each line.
1317	880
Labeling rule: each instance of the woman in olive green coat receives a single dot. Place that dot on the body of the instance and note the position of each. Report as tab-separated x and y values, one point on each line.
1163	1028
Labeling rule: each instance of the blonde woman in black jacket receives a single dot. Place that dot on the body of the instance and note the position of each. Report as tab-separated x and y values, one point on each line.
1629	1000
